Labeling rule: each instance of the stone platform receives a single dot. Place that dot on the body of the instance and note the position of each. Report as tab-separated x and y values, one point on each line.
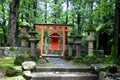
61	70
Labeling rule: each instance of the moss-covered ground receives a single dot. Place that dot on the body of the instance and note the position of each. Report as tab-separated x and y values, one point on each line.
6	62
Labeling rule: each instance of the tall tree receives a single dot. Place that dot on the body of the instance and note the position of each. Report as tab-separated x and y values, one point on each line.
57	11
14	6
117	27
46	11
67	11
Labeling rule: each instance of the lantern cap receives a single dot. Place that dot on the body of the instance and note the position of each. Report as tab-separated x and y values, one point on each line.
23	24
90	28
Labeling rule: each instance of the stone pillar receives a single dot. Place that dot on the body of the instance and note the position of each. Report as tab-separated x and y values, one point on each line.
33	42
90	40
24	37
78	45
70	45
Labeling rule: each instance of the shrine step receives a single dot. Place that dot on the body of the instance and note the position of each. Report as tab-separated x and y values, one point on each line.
64	76
52	56
62	69
55	52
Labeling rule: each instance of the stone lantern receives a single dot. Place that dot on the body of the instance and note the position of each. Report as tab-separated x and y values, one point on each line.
24	36
70	42
33	42
78	45
90	38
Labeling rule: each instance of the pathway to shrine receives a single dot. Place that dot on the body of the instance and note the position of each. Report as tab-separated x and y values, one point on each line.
62	70
59	62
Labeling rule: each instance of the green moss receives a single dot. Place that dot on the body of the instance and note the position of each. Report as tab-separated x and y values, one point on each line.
78	59
6	61
26	36
7	66
11	71
90	59
12	49
43	62
15	78
24	24
90	28
24	57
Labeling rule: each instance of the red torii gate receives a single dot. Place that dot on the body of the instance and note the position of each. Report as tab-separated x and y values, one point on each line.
55	29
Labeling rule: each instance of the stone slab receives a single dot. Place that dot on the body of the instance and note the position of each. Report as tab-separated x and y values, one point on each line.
64	76
63	69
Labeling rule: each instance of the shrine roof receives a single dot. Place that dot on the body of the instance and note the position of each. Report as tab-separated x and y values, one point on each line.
56	25
54	35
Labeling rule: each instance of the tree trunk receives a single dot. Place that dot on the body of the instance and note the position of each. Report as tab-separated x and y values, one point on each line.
91	11
45	12
14	6
73	19
116	27
55	15
78	22
67	12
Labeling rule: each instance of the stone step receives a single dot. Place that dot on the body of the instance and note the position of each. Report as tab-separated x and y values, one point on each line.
62	69
64	76
52	56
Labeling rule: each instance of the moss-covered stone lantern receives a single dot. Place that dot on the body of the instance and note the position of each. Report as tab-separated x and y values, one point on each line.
70	42
33	42
78	45
24	36
90	38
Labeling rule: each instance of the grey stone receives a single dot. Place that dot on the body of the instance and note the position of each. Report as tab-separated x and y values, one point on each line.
102	75
96	67
62	70
27	75
28	65
63	76
11	53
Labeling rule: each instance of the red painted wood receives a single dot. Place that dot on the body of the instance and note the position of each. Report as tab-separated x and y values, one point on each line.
54	41
55	25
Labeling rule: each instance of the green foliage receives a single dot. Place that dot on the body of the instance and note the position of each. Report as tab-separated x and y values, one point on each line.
90	59
11	71
42	61
24	57
78	59
110	69
87	60
69	58
113	58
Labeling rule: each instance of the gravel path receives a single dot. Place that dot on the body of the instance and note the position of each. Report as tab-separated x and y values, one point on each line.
59	62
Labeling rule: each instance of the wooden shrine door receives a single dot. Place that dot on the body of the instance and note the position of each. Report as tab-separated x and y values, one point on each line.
54	41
